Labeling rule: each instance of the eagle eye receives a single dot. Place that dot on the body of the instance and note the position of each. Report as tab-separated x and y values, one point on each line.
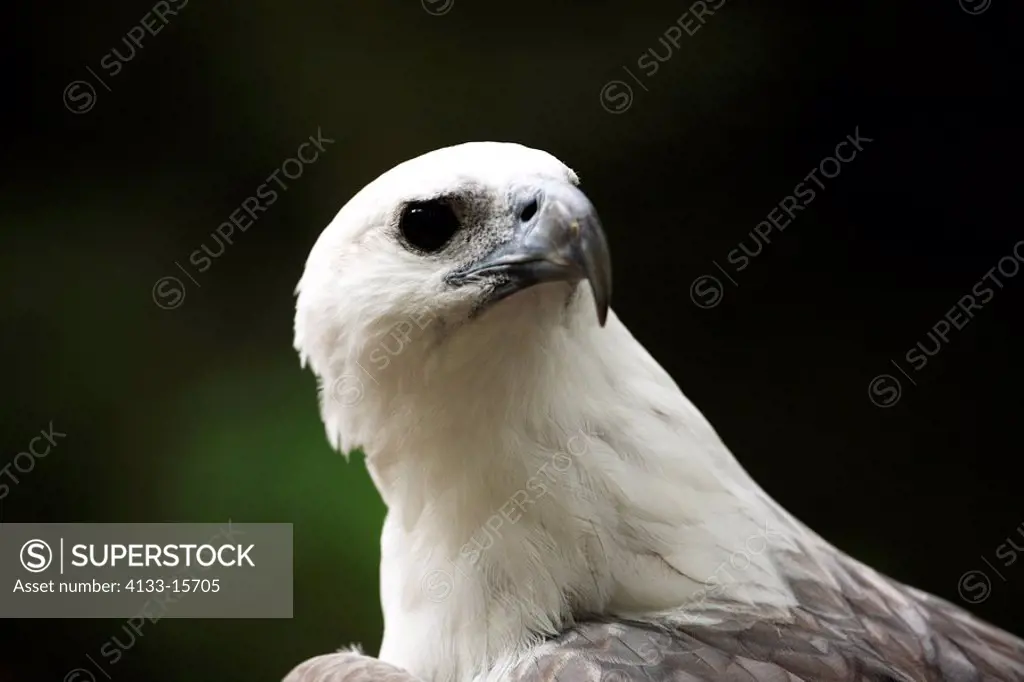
428	225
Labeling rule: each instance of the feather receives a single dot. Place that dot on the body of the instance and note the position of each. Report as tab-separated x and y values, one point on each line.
868	639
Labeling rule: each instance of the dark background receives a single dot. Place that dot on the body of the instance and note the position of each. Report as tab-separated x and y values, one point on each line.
201	413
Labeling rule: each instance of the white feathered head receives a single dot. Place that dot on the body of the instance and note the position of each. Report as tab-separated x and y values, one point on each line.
410	288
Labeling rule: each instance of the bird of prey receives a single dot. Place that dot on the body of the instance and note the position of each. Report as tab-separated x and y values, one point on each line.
557	508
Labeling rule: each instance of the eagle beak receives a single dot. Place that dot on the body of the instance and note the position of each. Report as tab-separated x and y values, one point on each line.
558	238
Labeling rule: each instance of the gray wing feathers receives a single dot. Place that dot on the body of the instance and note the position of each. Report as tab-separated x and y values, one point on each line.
762	653
857	625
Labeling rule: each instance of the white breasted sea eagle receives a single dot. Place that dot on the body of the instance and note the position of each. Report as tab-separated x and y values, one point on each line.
557	508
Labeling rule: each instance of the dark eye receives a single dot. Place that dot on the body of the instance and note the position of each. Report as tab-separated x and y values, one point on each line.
428	225
528	211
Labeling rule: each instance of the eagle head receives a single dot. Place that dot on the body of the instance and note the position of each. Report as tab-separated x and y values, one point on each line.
433	269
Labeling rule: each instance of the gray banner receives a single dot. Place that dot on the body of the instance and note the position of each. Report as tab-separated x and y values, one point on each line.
146	570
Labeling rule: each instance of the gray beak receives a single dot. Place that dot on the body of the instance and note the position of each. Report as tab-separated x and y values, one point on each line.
558	238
